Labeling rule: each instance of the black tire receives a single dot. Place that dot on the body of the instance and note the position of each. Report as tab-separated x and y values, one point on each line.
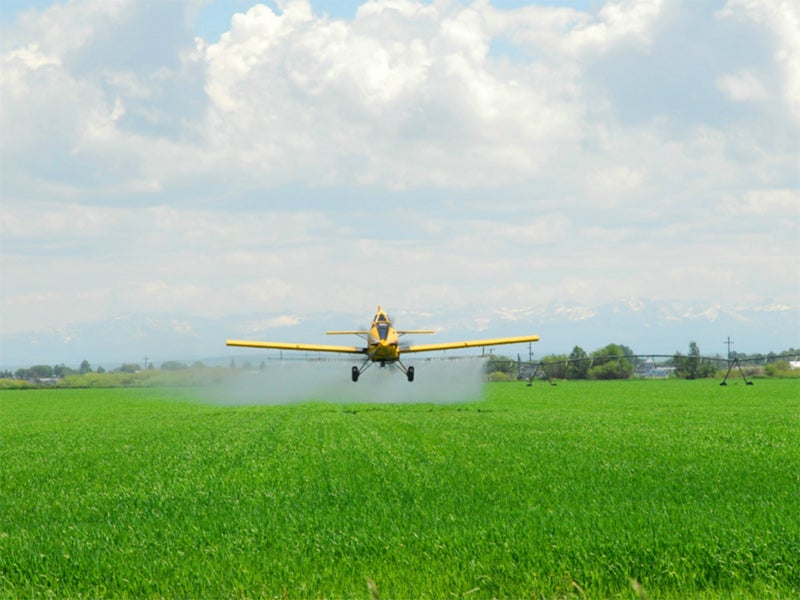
354	374
410	374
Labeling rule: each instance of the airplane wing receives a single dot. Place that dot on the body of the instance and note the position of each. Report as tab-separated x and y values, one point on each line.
347	333
289	346
414	331
471	343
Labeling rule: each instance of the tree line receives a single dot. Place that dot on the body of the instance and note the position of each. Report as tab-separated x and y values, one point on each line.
617	361
45	372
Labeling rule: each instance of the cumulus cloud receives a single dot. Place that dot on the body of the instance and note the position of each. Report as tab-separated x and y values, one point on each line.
405	95
781	21
451	154
742	87
92	103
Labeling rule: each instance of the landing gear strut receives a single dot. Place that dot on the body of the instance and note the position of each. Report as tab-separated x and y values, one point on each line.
407	371
356	371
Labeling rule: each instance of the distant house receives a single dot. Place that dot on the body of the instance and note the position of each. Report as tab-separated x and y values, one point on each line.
794	364
658	372
650	370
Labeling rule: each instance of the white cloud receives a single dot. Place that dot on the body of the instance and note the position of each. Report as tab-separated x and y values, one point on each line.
382	104
615	182
774	202
564	34
618	22
742	87
781	20
450	156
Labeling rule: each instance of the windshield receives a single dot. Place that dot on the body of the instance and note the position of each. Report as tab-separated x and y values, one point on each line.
383	330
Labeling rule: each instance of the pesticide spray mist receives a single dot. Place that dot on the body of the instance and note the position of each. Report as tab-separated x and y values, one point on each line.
441	381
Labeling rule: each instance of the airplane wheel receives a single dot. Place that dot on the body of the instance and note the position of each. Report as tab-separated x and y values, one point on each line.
354	374
410	373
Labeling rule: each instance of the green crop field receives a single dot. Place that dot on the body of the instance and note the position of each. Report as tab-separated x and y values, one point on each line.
657	489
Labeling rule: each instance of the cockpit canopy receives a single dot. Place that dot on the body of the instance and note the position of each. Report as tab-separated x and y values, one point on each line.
382	323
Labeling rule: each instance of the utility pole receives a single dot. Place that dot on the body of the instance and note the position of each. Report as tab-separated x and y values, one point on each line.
729	342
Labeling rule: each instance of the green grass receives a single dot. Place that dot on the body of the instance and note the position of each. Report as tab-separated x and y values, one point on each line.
689	489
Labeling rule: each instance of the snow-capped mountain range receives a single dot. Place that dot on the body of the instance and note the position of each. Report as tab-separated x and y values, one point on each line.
646	327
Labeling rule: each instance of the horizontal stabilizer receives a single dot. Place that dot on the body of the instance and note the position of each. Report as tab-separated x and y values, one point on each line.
347	333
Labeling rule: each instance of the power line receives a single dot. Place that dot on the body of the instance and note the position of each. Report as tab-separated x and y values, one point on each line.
729	342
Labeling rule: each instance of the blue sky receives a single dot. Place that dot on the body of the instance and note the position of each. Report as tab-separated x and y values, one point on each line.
472	164
214	17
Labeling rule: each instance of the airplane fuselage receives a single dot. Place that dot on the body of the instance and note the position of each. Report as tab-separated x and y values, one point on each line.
383	341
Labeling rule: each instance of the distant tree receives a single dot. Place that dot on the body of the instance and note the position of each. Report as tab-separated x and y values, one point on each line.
62	371
626	350
610	363
692	366
101	370
172	365
499	376
554	366
41	371
85	367
778	369
501	364
628	353
579	364
130	368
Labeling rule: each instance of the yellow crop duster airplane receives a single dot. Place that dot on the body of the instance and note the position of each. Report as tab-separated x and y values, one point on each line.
383	345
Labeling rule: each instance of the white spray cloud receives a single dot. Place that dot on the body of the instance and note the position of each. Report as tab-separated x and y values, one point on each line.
437	381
